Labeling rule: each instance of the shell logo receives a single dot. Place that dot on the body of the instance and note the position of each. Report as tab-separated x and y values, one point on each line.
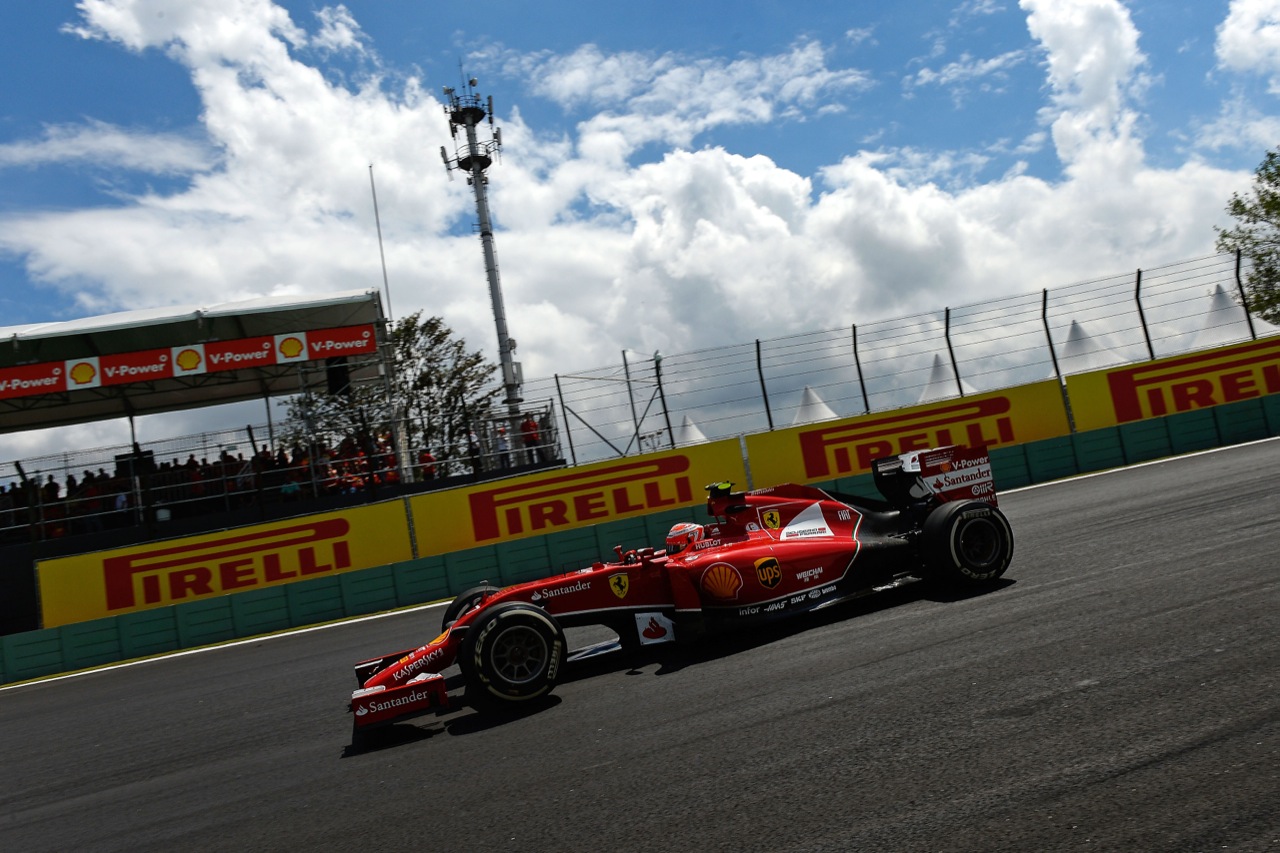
291	347
188	360
722	581
82	373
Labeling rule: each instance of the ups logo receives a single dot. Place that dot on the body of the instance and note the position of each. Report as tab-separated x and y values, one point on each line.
768	572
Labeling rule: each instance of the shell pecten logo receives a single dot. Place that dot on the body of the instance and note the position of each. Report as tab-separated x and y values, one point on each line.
187	360
82	373
722	581
291	347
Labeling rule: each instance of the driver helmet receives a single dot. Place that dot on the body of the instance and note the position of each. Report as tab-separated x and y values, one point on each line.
682	535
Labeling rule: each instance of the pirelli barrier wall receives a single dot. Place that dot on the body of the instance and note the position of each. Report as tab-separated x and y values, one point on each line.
137	601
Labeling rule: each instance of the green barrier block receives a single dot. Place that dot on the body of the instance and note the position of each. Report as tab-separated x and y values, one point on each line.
1009	467
318	600
520	561
1271	410
1051	459
1191	431
203	622
631	534
657	526
148	632
422	580
1145	440
472	567
87	644
368	591
260	611
1098	449
32	654
1241	422
863	484
572	550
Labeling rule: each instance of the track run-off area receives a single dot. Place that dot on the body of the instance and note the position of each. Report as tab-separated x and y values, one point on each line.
1118	690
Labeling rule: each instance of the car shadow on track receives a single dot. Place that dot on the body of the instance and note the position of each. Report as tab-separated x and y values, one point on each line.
729	643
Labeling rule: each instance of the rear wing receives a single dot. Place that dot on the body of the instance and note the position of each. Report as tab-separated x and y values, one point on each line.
943	474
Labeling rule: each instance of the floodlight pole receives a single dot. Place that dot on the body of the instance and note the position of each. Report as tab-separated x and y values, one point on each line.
466	109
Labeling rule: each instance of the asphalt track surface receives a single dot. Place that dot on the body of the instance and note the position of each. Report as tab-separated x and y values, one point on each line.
1119	691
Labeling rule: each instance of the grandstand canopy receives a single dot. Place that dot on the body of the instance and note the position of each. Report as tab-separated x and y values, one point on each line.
166	359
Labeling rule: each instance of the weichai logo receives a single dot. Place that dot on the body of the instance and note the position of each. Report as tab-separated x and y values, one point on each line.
555	502
176	573
1195	382
852	448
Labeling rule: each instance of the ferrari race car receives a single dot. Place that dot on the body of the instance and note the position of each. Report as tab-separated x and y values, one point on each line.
770	553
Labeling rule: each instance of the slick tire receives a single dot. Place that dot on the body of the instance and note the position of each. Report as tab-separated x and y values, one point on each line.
466	600
511	655
966	543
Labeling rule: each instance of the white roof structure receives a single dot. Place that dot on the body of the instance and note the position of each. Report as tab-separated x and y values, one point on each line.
1224	323
942	383
144	318
689	433
1083	352
812	409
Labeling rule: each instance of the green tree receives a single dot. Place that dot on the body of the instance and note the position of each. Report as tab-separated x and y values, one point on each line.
434	398
438	385
1256	235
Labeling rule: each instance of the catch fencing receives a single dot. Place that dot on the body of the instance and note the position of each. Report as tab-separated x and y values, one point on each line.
644	404
681	399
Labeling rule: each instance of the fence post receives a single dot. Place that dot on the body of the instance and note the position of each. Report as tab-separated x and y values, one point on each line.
764	392
1244	300
662	395
955	369
626	371
1053	354
857	362
1044	318
1142	317
568	433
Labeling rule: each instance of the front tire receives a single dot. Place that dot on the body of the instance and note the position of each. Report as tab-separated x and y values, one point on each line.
511	655
967	543
466	600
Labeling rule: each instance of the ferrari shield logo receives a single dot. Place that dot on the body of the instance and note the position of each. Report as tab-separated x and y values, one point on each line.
619	583
772	519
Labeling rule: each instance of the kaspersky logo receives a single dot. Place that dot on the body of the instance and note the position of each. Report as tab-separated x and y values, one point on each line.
550	503
177	573
851	448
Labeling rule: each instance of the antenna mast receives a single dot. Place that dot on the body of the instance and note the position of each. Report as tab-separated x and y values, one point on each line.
466	109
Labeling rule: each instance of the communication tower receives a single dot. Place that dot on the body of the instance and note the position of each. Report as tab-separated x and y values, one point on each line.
466	110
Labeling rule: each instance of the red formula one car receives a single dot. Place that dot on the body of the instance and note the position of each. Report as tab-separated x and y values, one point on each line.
769	553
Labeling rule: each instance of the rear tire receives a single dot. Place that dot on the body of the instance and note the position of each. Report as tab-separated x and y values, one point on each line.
466	600
967	543
511	655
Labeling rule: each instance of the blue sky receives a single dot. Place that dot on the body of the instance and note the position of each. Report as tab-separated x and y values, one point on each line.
663	162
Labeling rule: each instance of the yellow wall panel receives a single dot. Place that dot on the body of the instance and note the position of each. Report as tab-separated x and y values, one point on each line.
1182	383
844	448
109	583
565	499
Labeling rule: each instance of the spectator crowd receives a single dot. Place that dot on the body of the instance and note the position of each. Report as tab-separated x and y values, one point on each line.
42	507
